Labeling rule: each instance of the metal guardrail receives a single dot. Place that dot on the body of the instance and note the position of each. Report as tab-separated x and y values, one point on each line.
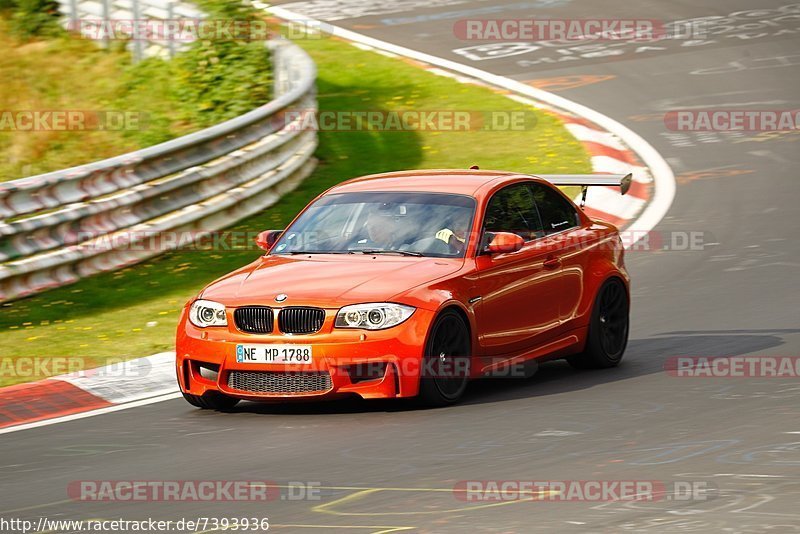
58	227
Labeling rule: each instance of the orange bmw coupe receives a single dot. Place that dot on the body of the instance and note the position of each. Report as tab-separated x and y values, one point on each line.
410	284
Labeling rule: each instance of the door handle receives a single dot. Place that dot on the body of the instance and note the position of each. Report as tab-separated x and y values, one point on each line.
551	263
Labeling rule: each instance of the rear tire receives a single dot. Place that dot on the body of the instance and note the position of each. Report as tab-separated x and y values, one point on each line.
608	328
212	400
446	365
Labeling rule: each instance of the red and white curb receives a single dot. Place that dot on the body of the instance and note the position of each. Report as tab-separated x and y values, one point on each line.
609	155
95	391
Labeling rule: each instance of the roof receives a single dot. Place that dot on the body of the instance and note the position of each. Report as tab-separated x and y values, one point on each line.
457	181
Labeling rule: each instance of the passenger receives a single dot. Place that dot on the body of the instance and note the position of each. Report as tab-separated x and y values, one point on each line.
455	234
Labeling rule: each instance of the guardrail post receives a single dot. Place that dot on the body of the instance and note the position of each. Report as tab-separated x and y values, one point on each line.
73	14
106	20
283	71
171	38
137	43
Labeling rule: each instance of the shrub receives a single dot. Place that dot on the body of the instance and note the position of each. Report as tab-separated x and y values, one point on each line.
35	18
223	79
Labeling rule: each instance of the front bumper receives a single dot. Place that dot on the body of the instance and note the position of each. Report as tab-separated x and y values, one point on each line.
370	364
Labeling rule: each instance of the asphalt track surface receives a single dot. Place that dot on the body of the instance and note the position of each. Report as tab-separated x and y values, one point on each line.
380	464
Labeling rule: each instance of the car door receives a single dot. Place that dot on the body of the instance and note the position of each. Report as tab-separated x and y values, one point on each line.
519	291
565	240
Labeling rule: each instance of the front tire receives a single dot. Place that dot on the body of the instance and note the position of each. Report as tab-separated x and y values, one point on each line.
212	400
446	364
608	328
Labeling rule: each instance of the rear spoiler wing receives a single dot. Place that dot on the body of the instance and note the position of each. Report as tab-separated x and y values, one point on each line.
623	181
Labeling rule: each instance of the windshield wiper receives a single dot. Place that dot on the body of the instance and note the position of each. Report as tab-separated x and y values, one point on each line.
303	252
381	251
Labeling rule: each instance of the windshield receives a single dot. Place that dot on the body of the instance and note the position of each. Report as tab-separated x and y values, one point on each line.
402	223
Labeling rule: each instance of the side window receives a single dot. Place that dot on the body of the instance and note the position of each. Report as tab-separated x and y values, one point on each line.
557	213
512	209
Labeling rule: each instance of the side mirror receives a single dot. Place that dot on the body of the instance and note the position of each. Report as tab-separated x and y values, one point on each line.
504	242
267	238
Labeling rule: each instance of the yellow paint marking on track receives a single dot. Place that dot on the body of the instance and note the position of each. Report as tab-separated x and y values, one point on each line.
325	508
645	117
714	172
364	491
574	81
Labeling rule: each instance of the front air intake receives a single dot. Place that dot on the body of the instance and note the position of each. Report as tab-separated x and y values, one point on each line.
300	320
253	319
280	383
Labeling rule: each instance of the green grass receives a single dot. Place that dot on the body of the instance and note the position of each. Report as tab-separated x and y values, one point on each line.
108	315
61	73
209	83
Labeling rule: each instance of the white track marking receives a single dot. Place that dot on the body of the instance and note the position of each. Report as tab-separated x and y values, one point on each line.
128	381
662	173
584	133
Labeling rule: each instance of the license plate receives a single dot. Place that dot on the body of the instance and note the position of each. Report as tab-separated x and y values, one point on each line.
274	353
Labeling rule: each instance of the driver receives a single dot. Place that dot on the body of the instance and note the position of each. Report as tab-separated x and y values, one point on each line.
381	232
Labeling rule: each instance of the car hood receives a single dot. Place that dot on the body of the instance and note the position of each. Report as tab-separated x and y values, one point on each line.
326	281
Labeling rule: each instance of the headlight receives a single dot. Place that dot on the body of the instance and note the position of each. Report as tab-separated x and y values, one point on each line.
375	316
207	313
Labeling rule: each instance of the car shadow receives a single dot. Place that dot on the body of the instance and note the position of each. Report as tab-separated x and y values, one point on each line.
643	357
